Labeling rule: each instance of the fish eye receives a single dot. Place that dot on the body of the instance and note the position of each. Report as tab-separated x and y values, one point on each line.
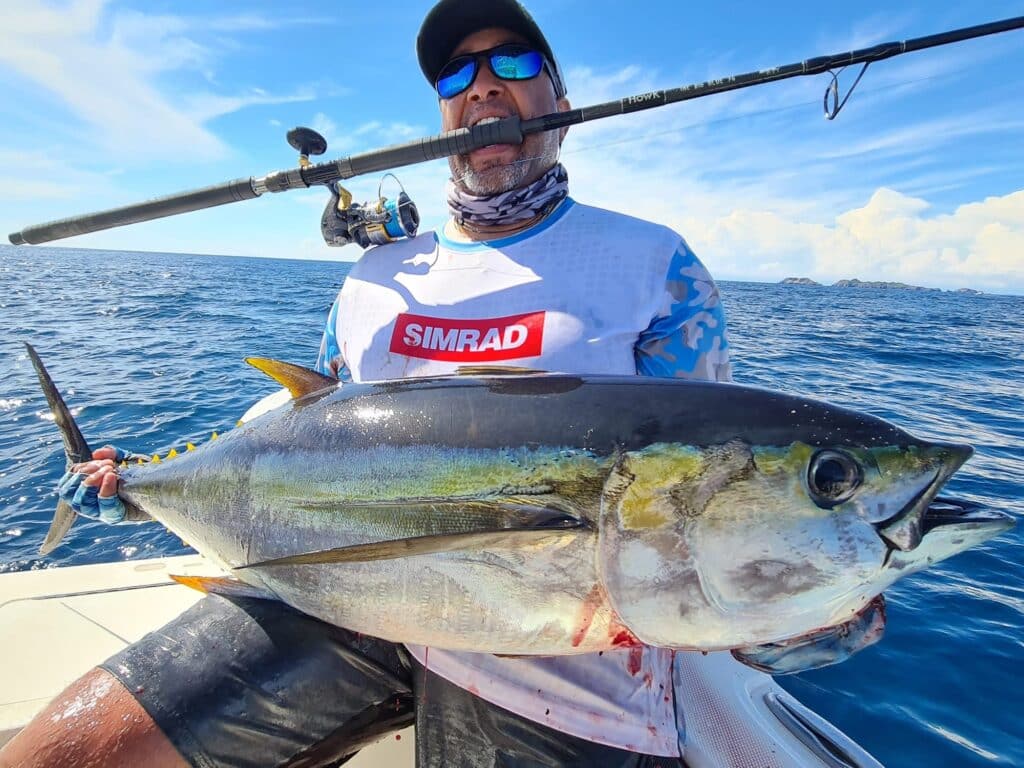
832	477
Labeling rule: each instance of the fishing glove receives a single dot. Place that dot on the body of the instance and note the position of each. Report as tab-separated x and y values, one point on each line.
333	226
85	499
87	502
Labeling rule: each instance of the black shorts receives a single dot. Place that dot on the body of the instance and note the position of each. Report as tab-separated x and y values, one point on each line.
247	683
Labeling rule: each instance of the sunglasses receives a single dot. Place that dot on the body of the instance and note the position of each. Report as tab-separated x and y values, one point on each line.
507	62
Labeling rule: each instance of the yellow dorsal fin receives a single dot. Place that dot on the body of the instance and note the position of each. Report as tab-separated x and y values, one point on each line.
495	370
296	379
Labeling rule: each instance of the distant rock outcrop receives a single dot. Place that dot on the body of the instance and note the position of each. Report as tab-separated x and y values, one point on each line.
853	282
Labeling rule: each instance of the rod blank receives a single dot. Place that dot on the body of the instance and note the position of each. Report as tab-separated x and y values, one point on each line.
463	140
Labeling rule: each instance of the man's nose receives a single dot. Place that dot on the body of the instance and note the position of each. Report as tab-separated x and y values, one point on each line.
486	84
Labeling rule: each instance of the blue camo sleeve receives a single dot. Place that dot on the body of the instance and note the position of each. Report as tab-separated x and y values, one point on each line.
687	337
330	361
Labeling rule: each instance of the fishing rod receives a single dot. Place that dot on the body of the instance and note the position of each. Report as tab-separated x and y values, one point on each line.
511	130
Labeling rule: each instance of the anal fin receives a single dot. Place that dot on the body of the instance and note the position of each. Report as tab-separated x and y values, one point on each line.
223	585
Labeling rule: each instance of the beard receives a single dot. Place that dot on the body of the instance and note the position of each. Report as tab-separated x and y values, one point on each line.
537	154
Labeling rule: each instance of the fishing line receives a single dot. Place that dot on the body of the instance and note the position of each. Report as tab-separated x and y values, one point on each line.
758	113
510	130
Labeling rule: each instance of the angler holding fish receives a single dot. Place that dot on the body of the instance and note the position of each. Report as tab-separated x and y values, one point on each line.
588	524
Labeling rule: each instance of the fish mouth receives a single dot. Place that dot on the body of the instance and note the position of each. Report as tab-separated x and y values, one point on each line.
944	511
905	530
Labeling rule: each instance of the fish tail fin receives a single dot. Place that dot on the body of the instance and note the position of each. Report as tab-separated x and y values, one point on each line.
76	449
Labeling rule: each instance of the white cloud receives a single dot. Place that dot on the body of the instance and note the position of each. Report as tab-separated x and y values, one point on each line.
202	107
757	199
366	136
103	68
891	237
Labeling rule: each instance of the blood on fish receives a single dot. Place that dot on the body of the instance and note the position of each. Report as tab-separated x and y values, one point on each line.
622	637
648	679
636	656
591	603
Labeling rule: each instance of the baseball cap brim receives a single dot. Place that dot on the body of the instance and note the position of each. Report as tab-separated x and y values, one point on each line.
450	21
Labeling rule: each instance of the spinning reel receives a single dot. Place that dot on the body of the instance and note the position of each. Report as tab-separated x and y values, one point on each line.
371	223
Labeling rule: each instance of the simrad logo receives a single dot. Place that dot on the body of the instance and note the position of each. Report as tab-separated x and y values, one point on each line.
469	341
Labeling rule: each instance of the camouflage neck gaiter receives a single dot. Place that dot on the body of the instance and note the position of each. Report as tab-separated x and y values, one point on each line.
516	205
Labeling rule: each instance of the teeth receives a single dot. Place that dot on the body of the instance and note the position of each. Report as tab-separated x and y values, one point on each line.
487	120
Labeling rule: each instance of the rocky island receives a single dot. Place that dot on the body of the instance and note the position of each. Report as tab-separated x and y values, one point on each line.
855	283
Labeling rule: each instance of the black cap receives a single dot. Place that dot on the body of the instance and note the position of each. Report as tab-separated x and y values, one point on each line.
451	21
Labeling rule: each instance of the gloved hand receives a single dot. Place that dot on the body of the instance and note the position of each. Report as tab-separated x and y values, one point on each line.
333	226
821	648
90	488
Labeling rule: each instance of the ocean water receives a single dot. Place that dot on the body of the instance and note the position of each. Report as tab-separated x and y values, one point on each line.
147	349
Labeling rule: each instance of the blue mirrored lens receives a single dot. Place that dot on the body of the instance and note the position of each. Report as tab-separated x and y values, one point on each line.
508	62
456	77
522	64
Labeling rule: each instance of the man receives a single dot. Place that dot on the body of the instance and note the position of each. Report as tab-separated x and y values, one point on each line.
521	275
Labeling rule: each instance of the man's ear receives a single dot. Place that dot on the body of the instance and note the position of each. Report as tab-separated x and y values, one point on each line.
563	106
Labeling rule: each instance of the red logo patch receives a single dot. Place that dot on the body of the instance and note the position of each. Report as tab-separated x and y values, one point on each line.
469	341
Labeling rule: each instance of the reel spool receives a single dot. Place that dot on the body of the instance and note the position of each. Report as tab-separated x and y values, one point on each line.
344	221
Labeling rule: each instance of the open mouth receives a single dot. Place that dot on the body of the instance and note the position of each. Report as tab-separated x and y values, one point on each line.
905	530
944	511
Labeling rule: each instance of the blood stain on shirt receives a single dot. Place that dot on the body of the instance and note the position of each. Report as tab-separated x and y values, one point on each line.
636	656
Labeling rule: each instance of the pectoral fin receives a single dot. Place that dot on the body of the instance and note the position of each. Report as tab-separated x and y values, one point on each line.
544	522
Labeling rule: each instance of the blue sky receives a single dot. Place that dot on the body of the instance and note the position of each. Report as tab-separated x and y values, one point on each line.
920	179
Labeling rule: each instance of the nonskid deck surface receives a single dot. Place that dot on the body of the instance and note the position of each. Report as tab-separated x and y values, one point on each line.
58	623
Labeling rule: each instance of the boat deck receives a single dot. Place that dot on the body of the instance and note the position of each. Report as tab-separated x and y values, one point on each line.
56	624
102	608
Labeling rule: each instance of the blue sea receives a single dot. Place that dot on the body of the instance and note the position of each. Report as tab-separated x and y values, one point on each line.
147	349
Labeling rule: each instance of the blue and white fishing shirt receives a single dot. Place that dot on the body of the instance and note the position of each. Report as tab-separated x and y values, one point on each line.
585	291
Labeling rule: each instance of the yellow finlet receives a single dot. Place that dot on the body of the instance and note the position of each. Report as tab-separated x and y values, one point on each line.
189	447
172	454
214	436
156	458
297	380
